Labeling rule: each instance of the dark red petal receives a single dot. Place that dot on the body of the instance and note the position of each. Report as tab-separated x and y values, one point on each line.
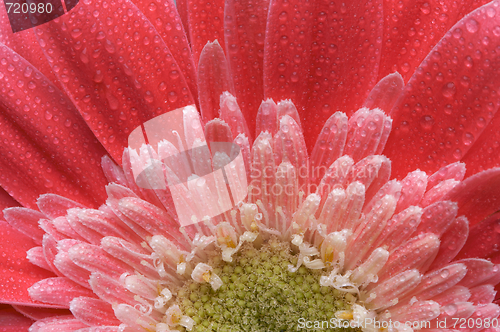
451	97
214	78
40	313
412	28
245	30
477	196
182	8
206	24
25	44
6	201
46	146
322	55
115	67
12	321
164	16
483	239
385	94
17	273
484	152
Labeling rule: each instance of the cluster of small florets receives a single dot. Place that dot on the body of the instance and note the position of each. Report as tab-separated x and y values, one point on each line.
260	293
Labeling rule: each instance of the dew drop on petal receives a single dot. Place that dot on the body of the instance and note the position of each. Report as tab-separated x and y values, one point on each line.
426	122
449	90
471	25
468	138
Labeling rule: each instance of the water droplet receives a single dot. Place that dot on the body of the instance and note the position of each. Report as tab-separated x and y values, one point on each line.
162	86
426	122
75	33
425	9
109	46
457	154
84	56
449	90
471	25
468	138
172	96
112	100
98	77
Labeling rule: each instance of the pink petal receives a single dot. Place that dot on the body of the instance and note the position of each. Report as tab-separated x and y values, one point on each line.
36	257
453	313
361	243
412	29
416	312
17	272
313	58
437	192
329	145
49	246
263	166
482	294
54	206
131	254
477	196
423	121
437	282
12	321
400	228
93	312
206	24
40	313
146	220
245	29
385	94
45	124
394	288
267	118
26	222
67	267
111	289
483	239
417	253
57	324
437	217
113	172
58	291
94	259
90	57
164	16
217	130
478	271
455	171
289	146
454	294
214	78
484	312
6	201
368	133
230	112
412	191
373	172
452	241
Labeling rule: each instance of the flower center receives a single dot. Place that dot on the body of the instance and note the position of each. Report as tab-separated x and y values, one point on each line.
260	293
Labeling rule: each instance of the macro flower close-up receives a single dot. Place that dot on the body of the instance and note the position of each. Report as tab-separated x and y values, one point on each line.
253	165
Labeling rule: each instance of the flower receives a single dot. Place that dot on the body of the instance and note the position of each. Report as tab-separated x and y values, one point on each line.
364	248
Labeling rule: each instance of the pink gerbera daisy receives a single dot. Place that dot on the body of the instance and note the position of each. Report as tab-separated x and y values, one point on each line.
358	143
